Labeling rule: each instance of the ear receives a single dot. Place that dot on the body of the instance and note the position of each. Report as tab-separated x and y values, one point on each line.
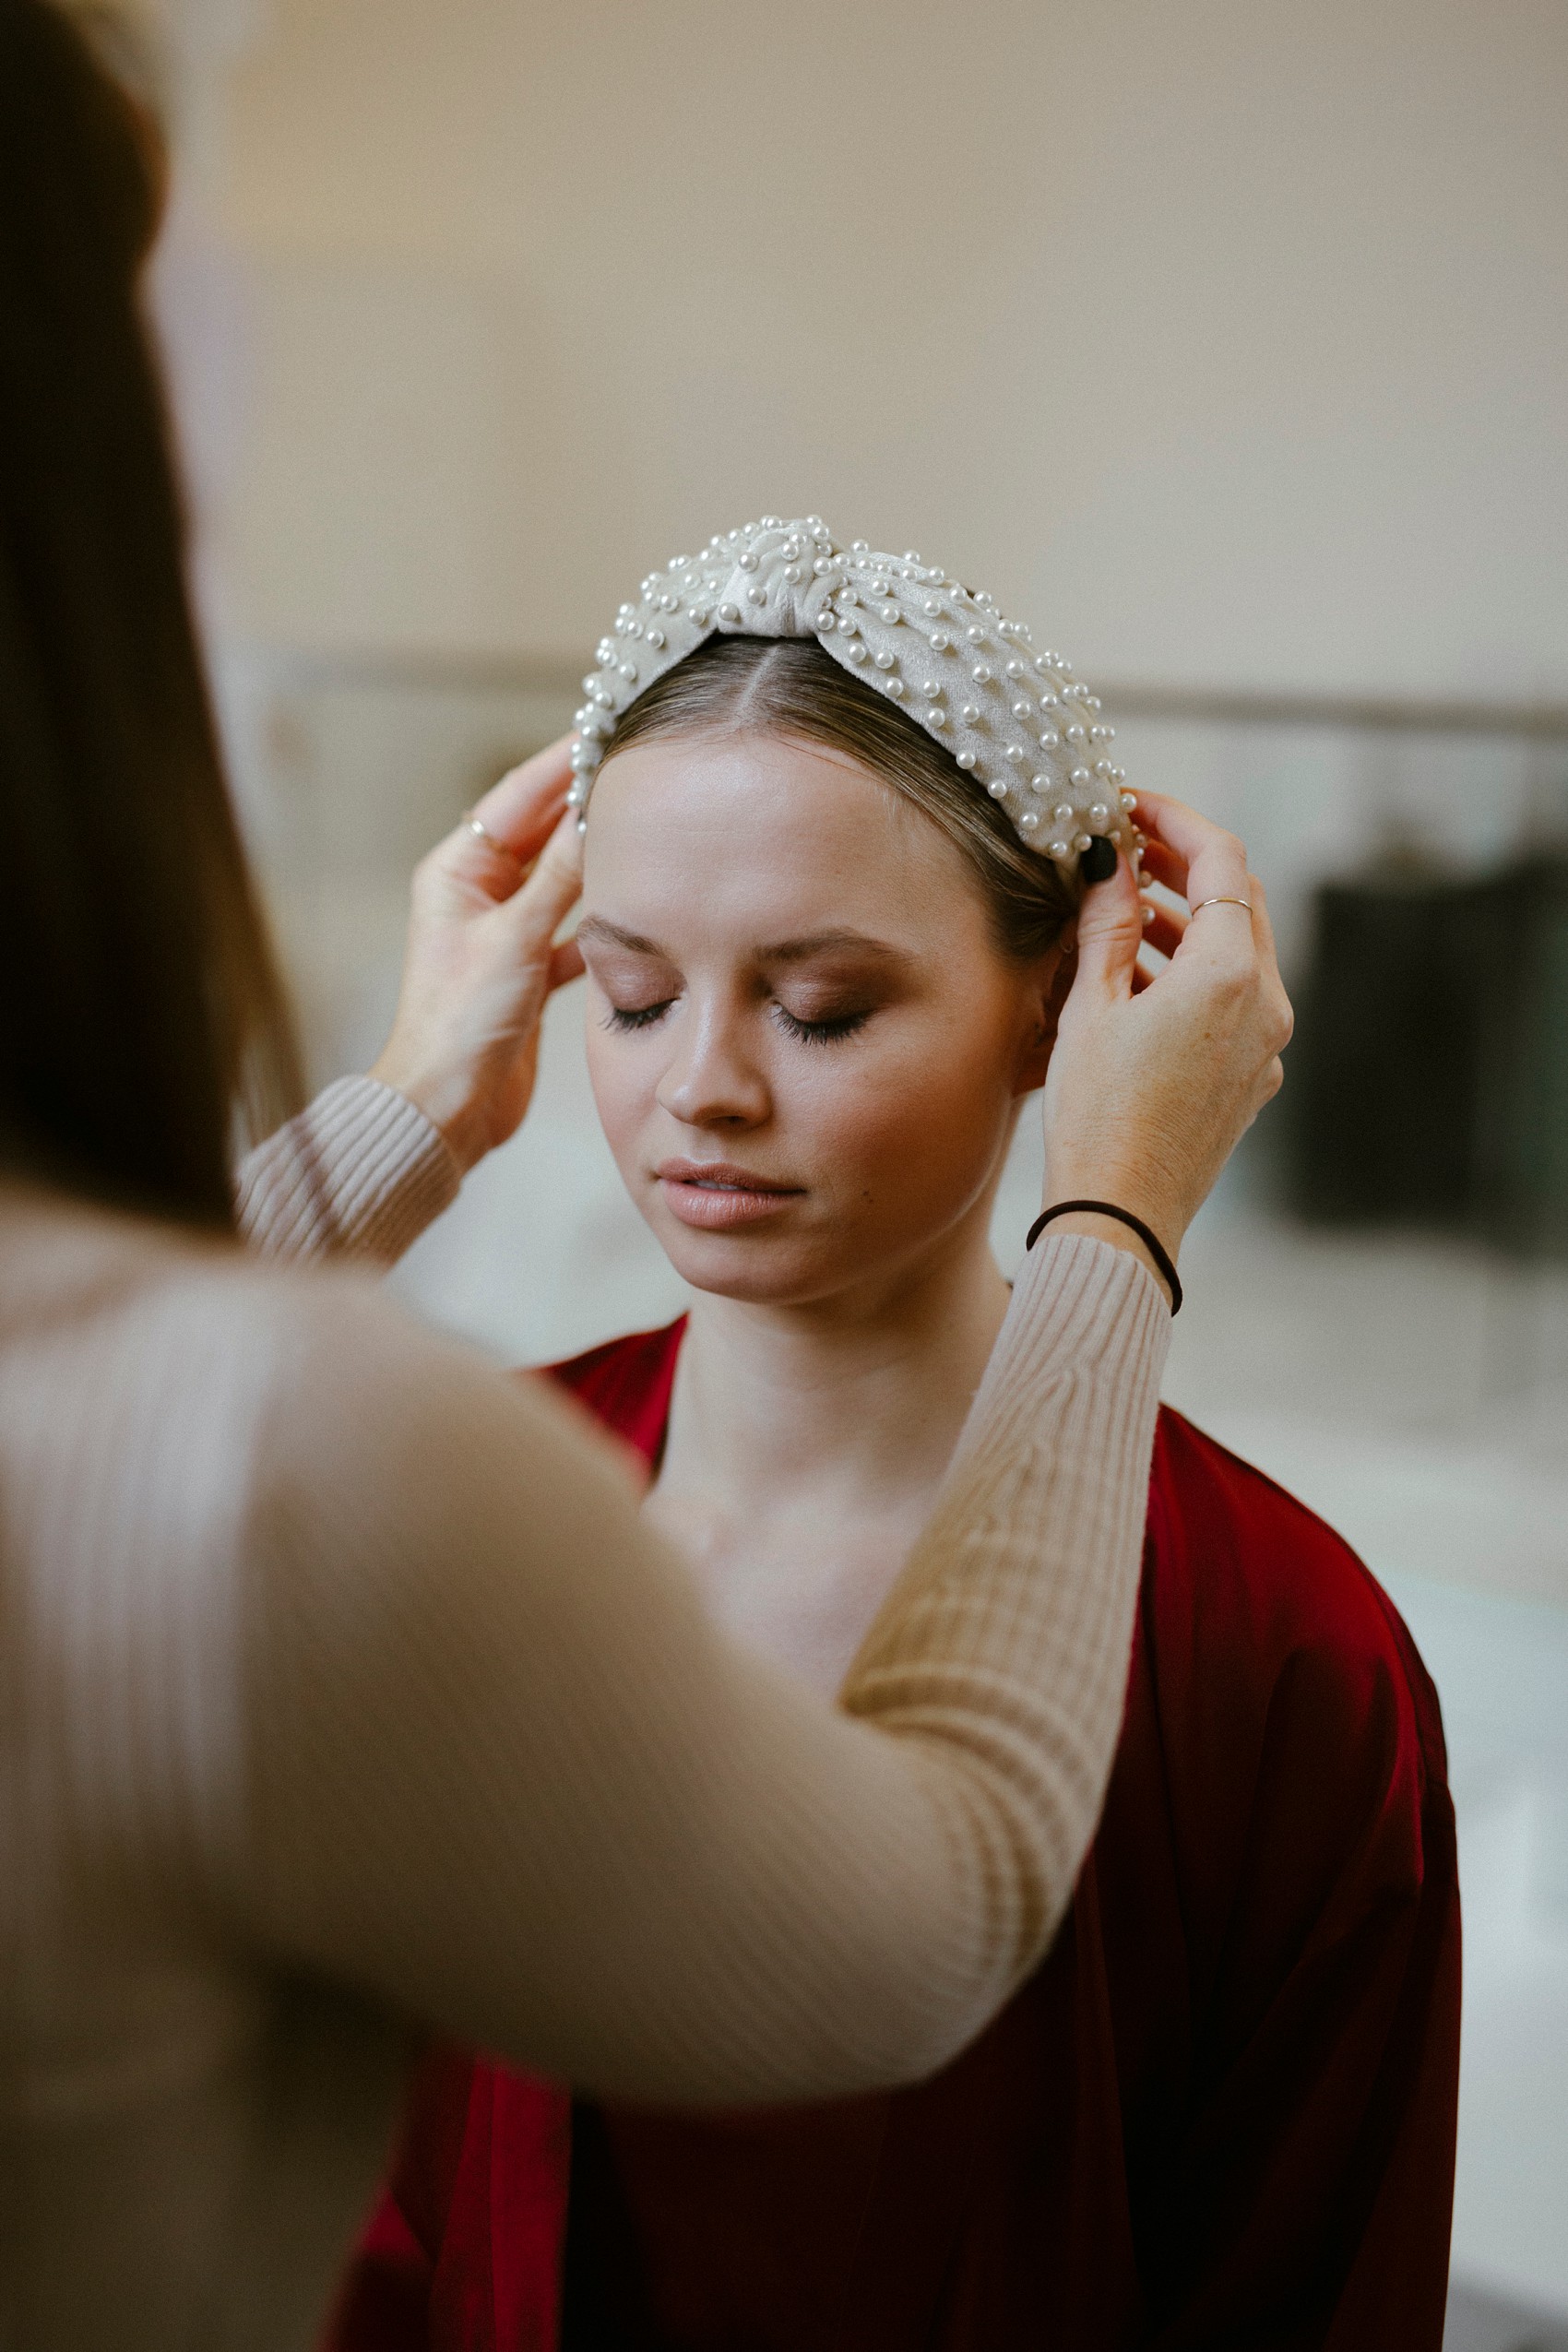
1046	994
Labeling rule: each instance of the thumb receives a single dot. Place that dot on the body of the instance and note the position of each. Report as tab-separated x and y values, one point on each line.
1111	931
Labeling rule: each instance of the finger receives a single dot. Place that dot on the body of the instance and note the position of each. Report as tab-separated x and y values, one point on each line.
1216	861
551	890
1263	926
520	811
565	964
1163	929
1110	932
1162	866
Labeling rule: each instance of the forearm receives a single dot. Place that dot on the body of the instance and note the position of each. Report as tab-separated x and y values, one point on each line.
359	1174
510	1775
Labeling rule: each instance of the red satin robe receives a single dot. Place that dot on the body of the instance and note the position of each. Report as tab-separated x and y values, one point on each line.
1222	2114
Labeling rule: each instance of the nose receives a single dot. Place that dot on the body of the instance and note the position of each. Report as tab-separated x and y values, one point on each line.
711	1079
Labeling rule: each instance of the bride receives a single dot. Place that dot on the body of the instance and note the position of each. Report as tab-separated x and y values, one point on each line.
827	934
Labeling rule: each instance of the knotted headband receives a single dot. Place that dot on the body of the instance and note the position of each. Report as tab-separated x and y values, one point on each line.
1027	732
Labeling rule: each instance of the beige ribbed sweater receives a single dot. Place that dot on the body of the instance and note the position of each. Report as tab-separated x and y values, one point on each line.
341	1684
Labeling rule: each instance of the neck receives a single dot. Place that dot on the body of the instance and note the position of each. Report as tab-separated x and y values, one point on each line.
863	1393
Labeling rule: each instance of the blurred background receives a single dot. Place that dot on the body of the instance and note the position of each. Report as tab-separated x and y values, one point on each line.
1227	343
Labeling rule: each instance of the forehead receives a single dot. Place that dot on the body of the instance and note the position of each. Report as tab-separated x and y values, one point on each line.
771	838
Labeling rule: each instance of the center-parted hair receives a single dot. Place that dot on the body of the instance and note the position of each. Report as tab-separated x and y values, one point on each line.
789	688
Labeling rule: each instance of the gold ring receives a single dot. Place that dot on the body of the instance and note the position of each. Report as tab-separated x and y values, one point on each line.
482	833
1219	902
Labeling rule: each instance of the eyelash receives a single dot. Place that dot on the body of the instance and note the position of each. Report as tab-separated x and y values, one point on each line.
642	1016
638	1016
820	1032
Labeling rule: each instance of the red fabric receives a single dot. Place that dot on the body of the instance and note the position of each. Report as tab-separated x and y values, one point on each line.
1222	2114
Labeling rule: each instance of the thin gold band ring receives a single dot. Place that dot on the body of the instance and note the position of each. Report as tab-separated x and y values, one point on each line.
1221	902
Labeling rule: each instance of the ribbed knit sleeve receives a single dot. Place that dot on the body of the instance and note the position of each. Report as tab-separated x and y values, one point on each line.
359	1174
510	1777
343	1684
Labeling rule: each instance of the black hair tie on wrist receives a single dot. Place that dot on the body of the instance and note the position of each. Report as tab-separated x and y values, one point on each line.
1151	1242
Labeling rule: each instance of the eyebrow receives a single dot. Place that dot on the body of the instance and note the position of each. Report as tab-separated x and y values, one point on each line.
783	951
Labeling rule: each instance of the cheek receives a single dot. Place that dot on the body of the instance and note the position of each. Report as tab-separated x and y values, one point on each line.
919	1122
623	1082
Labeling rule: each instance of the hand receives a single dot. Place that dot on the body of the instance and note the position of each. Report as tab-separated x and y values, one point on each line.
481	958
1154	1080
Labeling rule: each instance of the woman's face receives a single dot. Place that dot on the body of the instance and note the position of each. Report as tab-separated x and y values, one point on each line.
804	1046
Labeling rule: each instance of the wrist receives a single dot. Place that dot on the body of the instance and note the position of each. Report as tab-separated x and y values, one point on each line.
444	1102
1104	1219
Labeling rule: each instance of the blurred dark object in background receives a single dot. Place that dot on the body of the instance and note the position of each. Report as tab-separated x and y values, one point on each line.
1429	1078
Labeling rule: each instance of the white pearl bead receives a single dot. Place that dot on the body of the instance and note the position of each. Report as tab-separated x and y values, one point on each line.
825	621
883	660
976	636
997	788
1028	822
1081	777
932	607
756	596
940	642
857	651
1064	812
1099	816
1050	740
822	566
965	760
730	612
1039	783
1017	754
748	561
655	639
1014	669
982	674
793	574
1129	800
1075	733
931	690
895	687
1023	710
936	716
1060	849
1081	841
971	714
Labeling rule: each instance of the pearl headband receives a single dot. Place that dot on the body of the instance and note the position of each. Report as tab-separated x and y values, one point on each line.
1026	731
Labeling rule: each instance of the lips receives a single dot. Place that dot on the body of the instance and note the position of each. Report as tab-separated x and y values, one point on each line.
715	1195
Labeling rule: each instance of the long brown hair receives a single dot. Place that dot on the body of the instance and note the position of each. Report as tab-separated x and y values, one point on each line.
789	686
140	1004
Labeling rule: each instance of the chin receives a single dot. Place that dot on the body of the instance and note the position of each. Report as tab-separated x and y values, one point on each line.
774	1271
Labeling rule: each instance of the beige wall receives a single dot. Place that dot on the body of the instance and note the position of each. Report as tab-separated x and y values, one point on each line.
1226	341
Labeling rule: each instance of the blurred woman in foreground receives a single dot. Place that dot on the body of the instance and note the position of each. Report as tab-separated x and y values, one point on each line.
342	1687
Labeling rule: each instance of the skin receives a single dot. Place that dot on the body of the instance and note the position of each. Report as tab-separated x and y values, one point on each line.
828	1014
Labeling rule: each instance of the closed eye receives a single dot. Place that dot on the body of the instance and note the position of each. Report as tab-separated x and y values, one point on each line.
828	1032
637	1016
